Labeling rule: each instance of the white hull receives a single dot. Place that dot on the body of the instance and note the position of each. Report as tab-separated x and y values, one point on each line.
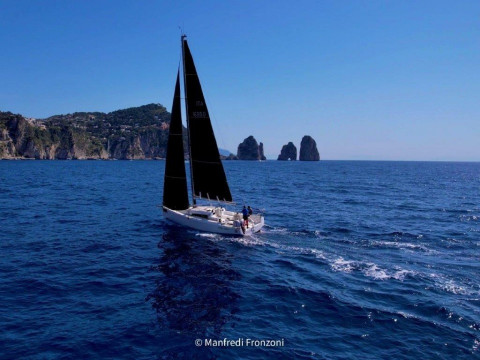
215	220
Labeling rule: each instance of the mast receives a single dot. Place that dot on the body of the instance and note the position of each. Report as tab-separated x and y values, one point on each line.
188	122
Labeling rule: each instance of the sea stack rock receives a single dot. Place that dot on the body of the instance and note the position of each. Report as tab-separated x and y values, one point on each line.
289	152
250	150
308	149
260	151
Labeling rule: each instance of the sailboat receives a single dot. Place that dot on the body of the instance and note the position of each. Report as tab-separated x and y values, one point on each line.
207	176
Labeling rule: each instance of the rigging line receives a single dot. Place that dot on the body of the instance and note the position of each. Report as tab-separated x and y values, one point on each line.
187	119
180	71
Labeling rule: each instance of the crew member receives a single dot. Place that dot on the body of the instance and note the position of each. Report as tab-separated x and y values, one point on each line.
245	215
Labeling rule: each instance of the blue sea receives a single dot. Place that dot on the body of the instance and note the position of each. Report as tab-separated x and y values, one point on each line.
359	260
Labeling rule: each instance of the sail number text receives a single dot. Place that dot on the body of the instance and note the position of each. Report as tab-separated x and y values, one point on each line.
199	114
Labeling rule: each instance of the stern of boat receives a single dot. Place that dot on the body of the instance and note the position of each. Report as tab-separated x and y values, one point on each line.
258	221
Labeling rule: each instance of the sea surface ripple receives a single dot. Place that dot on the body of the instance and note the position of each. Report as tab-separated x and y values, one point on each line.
359	260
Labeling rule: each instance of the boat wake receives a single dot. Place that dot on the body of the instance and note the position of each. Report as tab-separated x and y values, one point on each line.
279	239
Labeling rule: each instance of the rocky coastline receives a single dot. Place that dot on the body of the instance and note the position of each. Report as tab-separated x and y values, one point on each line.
137	133
129	134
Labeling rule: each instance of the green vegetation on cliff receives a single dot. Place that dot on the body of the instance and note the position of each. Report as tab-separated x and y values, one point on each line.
133	133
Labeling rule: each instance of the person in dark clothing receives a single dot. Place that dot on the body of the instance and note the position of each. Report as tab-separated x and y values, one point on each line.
250	211
245	215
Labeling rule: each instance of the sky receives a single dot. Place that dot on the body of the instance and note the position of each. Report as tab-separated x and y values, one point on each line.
368	80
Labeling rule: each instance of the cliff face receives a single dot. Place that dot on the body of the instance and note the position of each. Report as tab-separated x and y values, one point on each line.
147	144
135	133
250	150
289	152
308	149
23	138
7	147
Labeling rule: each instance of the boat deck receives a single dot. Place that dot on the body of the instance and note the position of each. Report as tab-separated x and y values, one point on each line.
216	219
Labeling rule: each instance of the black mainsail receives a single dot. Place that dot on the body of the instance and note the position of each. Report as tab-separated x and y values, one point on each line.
208	176
175	193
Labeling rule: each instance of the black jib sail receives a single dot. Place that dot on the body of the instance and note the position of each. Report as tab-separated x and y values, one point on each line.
208	177
175	194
